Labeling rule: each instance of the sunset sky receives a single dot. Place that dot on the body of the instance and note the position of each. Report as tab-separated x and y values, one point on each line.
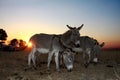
23	18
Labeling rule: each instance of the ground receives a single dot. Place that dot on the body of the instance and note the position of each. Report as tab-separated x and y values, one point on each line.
13	66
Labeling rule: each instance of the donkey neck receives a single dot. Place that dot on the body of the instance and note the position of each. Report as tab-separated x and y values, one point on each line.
66	37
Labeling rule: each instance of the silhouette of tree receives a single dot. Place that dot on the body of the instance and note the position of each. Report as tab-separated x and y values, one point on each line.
17	45
14	42
22	43
3	35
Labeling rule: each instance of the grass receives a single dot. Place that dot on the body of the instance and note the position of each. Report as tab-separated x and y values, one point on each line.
13	65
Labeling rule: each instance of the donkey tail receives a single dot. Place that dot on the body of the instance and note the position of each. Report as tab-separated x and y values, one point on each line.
102	44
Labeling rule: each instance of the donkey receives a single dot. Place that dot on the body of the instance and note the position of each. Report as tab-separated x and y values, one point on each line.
90	48
53	45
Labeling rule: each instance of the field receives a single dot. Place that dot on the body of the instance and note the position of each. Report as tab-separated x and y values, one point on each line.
13	66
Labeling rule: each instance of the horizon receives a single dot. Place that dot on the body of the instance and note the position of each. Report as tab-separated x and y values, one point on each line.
23	18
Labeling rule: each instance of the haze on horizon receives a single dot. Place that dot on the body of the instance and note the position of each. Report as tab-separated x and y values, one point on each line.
23	18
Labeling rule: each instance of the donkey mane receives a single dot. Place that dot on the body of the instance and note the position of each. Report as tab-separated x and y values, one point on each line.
66	34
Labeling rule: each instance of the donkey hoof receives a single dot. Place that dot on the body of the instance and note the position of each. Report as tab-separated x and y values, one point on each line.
48	69
86	65
70	70
58	70
95	63
35	68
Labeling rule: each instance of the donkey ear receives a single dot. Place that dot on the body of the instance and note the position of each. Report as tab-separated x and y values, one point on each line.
80	27
69	27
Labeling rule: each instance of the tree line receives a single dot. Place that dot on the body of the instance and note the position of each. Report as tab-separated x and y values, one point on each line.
13	45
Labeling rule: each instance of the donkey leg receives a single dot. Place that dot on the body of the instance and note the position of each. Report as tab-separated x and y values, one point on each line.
86	57
88	52
49	59
29	58
32	58
34	61
57	61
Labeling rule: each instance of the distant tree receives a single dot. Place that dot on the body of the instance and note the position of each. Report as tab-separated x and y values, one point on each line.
3	35
14	42
22	43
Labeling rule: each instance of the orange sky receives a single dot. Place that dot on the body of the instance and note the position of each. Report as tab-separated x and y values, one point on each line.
112	44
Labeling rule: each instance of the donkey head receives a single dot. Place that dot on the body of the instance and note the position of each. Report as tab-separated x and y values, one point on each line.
71	36
75	33
68	58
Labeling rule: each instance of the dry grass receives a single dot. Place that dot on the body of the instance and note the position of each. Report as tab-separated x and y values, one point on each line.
13	67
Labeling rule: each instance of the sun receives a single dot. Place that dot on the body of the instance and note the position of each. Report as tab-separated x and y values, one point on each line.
29	44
